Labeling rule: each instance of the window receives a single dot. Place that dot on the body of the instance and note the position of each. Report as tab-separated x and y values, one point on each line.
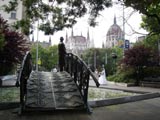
13	15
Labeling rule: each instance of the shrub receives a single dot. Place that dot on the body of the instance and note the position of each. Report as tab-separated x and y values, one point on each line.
152	71
126	76
13	47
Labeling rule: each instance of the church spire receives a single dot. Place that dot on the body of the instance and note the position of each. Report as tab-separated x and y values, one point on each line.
72	33
50	40
66	37
88	37
115	21
32	38
103	46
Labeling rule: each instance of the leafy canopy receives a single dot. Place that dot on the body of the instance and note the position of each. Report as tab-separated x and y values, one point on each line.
140	56
150	10
13	47
57	14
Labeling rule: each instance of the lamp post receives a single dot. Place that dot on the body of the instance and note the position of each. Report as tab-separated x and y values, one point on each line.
95	59
105	59
123	30
37	46
37	40
159	52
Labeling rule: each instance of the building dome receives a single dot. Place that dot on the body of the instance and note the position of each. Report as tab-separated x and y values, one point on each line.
114	35
114	30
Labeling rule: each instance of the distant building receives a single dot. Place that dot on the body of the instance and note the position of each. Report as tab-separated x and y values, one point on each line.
44	44
77	44
114	36
13	16
141	38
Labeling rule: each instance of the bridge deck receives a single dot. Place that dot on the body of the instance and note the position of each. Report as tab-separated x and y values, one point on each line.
51	91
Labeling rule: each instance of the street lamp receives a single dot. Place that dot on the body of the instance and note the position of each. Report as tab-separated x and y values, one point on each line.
37	46
37	40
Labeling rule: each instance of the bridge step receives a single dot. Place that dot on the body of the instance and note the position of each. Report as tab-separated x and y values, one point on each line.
52	91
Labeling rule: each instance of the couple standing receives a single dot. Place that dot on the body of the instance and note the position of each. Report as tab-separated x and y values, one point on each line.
102	77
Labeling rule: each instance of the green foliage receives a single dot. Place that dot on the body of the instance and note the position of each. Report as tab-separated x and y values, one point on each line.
1	42
150	9
13	47
48	57
10	94
152	41
11	6
63	12
150	24
126	75
24	24
101	54
152	71
138	58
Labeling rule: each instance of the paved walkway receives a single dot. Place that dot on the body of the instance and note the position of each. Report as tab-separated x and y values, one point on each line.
144	94
140	110
121	86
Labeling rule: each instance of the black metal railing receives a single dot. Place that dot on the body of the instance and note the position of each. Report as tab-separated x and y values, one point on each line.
24	72
81	73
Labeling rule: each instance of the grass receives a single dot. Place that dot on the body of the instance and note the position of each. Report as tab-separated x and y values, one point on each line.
9	94
100	94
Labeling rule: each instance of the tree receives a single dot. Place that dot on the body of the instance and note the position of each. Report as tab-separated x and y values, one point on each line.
13	47
152	41
50	57
150	9
47	56
63	13
138	57
101	55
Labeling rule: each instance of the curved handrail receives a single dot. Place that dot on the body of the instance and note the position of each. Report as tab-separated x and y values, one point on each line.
24	73
90	71
81	74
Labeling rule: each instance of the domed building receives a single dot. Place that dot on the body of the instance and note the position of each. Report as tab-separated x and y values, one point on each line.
78	44
114	36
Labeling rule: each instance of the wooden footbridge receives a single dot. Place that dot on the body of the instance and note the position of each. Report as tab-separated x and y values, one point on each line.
67	90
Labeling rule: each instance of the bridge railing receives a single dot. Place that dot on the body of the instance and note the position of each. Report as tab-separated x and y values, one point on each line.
24	72
81	74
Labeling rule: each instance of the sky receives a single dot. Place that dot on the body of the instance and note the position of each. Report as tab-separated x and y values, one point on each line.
105	20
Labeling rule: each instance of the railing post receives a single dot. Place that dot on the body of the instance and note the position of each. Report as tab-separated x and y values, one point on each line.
75	70
81	73
26	68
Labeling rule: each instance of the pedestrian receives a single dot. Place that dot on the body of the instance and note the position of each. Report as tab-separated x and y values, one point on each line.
62	52
102	79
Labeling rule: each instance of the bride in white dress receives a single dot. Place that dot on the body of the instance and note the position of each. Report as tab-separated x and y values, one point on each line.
102	79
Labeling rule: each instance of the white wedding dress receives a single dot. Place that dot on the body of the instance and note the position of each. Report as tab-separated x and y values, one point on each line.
102	79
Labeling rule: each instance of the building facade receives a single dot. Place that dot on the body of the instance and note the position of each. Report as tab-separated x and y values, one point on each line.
114	36
77	44
44	44
13	16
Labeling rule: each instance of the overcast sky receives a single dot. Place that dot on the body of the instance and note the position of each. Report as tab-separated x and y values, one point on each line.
98	33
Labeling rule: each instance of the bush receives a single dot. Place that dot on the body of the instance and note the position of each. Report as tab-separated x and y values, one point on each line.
126	76
152	71
13	47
